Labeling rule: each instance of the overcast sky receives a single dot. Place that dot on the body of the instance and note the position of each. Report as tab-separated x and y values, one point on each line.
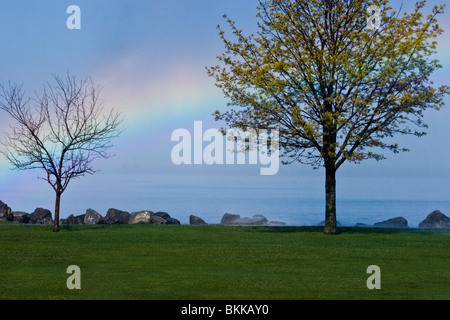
150	58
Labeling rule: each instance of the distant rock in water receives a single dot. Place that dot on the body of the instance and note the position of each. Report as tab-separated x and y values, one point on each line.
257	219
362	225
93	217
435	219
5	212
115	216
398	222
229	219
276	224
196	221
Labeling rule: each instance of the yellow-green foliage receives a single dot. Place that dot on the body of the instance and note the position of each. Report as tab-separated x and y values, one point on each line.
334	87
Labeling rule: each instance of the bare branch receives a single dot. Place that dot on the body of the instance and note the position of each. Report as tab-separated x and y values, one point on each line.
61	131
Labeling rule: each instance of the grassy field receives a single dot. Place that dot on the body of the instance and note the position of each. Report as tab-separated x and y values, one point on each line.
214	262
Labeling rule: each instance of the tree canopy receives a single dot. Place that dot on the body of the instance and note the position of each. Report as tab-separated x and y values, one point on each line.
336	87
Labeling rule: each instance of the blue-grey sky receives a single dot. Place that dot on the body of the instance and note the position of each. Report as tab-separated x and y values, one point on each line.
150	58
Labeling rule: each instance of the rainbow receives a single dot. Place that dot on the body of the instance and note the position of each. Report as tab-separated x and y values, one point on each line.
152	104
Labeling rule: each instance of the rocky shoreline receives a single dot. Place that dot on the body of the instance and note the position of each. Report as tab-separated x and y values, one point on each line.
434	220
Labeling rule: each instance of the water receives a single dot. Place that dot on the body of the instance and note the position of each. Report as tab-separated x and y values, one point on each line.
281	199
297	202
310	212
284	204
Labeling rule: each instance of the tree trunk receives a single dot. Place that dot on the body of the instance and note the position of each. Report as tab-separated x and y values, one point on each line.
329	156
57	202
330	199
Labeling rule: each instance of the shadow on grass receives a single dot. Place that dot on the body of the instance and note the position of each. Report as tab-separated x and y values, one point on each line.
84	227
274	229
350	230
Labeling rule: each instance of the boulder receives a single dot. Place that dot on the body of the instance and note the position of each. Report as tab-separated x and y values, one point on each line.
257	219
5	212
435	219
41	216
196	221
140	216
73	219
93	217
157	220
229	219
115	216
21	217
172	221
398	222
276	224
167	217
162	214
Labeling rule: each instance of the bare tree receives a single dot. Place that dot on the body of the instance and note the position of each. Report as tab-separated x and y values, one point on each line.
60	131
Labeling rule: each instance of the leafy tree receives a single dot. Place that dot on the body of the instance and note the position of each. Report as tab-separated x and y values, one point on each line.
337	80
61	131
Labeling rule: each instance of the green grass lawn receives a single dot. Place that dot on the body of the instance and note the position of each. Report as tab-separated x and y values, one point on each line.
146	261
